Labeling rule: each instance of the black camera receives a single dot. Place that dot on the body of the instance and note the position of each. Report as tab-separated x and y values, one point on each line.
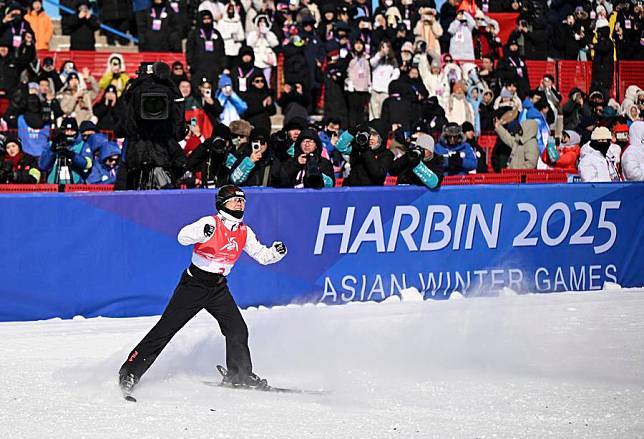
217	145
312	174
256	146
62	142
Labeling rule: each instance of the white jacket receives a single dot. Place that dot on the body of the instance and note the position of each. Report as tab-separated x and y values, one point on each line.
193	234
594	167
461	44
633	158
263	45
232	32
382	74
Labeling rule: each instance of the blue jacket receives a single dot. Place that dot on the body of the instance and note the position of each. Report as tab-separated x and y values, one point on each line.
543	130
100	173
326	142
232	107
93	144
80	165
33	140
466	152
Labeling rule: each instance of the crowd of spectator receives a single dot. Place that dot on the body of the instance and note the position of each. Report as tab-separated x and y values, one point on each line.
408	88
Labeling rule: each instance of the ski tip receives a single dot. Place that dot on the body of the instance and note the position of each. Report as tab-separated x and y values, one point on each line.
129	398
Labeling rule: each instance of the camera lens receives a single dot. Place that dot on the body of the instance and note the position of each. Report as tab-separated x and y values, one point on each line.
362	138
154	106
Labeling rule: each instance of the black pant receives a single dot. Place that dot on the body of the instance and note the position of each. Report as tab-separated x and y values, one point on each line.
194	293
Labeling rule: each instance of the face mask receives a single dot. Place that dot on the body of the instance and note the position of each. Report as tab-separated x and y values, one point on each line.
602	147
231	14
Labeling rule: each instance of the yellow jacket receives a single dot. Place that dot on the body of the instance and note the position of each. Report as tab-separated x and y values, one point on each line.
43	28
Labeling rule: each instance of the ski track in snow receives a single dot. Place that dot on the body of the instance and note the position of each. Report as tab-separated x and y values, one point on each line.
566	365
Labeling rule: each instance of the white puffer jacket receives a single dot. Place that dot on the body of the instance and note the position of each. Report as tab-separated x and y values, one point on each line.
595	168
633	158
233	34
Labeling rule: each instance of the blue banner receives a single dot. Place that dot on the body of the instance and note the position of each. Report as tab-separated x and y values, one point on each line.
116	254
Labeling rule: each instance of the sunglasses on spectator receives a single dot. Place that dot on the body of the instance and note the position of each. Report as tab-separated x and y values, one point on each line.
258	81
116	64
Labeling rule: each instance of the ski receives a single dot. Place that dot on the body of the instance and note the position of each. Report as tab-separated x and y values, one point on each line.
222	370
129	398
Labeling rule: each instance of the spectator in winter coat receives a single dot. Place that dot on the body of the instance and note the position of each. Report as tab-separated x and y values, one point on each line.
461	45
525	149
160	29
512	68
231	29
509	97
603	65
257	164
434	79
458	156
115	74
16	166
244	70
263	42
233	107
486	111
11	64
568	152
448	12
335	101
307	168
109	110
261	106
472	139
429	29
205	49
397	108
79	164
599	160
474	98
458	108
384	69
82	27
358	83
41	24
633	103
50	105
116	14
77	102
295	64
633	157
293	102
105	168
538	113
371	163
575	109
14	27
33	127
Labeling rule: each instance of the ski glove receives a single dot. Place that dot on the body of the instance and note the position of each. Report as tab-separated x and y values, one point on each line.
208	230
280	247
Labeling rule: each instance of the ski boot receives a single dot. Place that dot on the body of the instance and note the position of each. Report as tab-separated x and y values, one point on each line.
250	381
127	381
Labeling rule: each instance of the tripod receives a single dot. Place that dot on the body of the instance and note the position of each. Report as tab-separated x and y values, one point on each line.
63	168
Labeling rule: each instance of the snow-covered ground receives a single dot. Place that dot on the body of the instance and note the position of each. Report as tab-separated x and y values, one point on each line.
530	366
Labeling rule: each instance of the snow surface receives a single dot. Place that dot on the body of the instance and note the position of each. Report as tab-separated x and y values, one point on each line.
530	366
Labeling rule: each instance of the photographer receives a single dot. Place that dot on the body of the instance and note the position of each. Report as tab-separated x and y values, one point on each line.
369	158
458	155
419	165
212	160
257	165
63	161
16	166
205	48
308	169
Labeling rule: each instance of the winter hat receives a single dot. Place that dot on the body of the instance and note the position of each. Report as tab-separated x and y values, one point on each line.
601	133
72	75
241	128
467	126
87	125
225	81
221	130
48	61
246	50
296	123
33	86
69	123
308	19
425	141
13	139
259	135
205	13
13	6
